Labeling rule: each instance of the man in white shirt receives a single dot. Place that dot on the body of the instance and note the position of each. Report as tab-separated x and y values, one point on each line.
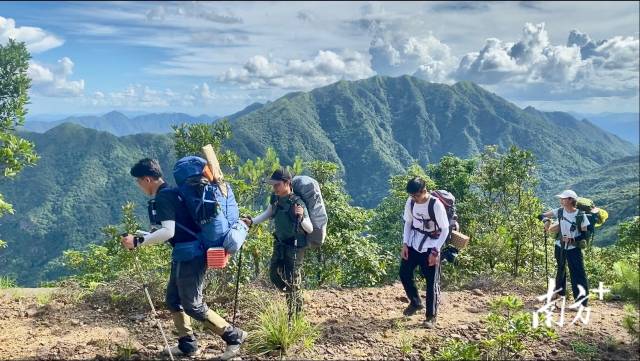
426	227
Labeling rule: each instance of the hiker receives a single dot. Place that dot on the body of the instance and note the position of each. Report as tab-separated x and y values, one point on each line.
292	223
573	230
426	228
184	296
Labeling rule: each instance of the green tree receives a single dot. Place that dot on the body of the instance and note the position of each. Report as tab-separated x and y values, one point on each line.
190	138
350	256
15	152
504	223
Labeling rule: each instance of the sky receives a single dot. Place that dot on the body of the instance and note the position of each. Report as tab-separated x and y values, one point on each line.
216	58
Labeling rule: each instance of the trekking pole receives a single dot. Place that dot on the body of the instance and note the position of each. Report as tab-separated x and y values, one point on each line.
546	253
564	246
235	302
138	267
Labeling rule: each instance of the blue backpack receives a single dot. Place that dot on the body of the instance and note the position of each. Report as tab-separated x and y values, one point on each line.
217	215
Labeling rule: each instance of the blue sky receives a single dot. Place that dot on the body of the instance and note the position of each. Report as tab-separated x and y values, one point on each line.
216	58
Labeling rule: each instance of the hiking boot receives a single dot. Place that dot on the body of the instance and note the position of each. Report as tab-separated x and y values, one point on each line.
176	351
412	309
430	322
187	346
234	337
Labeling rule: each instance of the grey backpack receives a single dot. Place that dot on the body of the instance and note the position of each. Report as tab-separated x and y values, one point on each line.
308	189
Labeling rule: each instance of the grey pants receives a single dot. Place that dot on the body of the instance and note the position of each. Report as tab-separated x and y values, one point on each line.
184	291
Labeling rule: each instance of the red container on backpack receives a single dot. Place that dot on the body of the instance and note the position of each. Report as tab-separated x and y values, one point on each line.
217	257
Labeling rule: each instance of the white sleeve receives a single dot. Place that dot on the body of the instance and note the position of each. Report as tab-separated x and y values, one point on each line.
408	219
443	223
264	216
585	222
306	224
162	235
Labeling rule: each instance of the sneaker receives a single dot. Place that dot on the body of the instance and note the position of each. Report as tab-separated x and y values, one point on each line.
234	350
412	309
430	322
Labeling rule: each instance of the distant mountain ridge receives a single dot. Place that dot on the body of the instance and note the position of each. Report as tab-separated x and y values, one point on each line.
119	124
624	125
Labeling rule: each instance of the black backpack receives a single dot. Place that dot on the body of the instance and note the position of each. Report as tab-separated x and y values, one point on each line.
449	202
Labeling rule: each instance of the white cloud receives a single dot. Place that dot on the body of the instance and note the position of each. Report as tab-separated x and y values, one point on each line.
395	53
194	10
140	96
532	68
36	39
53	81
325	68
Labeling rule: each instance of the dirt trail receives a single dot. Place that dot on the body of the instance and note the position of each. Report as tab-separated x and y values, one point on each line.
365	323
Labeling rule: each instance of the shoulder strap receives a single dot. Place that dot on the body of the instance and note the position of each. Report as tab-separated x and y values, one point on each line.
579	217
432	213
413	203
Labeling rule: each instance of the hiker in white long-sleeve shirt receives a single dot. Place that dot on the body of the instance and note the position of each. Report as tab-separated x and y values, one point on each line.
426	227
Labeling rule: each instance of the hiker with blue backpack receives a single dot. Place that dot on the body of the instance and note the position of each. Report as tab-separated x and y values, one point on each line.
571	239
426	228
172	217
292	224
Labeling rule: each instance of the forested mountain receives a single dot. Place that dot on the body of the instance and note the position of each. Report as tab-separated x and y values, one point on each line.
376	127
371	128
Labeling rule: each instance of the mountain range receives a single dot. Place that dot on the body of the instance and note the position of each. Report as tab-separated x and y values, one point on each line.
376	127
117	123
371	128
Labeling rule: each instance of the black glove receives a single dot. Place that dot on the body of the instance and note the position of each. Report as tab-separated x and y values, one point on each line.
541	216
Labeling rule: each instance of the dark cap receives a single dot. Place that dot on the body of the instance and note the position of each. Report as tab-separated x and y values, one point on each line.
280	175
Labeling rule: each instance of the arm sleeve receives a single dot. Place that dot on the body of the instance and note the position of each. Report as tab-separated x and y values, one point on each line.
443	223
406	233
306	224
162	235
585	222
263	216
552	213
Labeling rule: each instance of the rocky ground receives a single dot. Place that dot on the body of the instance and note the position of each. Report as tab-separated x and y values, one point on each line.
365	323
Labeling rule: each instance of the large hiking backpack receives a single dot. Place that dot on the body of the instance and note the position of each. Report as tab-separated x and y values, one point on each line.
308	189
449	202
596	216
450	251
217	215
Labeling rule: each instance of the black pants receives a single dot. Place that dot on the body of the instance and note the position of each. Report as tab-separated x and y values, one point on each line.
573	258
431	273
285	272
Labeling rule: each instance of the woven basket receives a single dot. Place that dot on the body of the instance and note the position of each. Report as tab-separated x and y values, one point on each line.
459	240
